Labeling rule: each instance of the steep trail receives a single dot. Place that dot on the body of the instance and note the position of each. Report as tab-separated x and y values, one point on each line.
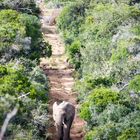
59	74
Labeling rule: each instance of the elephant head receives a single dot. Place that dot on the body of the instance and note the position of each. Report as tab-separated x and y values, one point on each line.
63	115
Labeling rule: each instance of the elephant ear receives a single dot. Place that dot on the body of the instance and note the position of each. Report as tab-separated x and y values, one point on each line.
70	111
55	105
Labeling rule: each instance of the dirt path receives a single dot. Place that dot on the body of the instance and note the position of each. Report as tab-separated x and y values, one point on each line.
59	73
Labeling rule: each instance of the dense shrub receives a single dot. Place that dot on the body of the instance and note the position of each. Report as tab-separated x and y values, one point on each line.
25	6
20	35
22	83
125	129
106	40
135	84
88	83
99	99
15	81
111	118
32	114
74	54
70	21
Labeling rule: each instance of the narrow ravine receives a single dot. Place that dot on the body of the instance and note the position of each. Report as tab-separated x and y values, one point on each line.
59	74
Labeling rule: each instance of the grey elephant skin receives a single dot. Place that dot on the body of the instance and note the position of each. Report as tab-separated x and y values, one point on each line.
63	115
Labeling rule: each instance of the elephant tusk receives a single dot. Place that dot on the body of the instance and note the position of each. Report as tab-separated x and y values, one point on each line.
63	123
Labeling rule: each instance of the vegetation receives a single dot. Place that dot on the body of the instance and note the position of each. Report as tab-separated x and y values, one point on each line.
102	41
22	36
25	6
32	114
22	83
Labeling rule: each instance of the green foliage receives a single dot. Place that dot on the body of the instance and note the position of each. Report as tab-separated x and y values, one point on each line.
3	71
25	6
106	37
10	29
74	54
135	84
17	81
102	97
21	34
85	112
14	82
22	82
70	21
105	42
128	134
121	53
107	132
99	98
130	2
39	47
88	83
113	126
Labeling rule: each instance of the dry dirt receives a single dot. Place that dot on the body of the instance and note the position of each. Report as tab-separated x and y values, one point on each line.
59	73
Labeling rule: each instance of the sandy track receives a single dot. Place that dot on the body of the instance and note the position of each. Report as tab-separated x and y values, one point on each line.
59	74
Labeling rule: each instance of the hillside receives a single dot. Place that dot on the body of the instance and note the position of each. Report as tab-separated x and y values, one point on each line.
102	42
24	87
86	52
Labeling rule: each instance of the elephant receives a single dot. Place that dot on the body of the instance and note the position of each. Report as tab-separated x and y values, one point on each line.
63	115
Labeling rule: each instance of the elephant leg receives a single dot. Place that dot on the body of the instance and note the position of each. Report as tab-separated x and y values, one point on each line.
66	133
59	130
66	129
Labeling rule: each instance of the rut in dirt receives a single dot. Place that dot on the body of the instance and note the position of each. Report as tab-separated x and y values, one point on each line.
59	73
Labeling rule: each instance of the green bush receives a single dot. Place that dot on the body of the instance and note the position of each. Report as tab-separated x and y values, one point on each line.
20	35
25	6
15	81
120	116
106	42
70	21
135	84
123	130
105	35
102	97
10	29
85	111
74	54
107	132
22	82
129	134
39	48
32	114
99	98
85	85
